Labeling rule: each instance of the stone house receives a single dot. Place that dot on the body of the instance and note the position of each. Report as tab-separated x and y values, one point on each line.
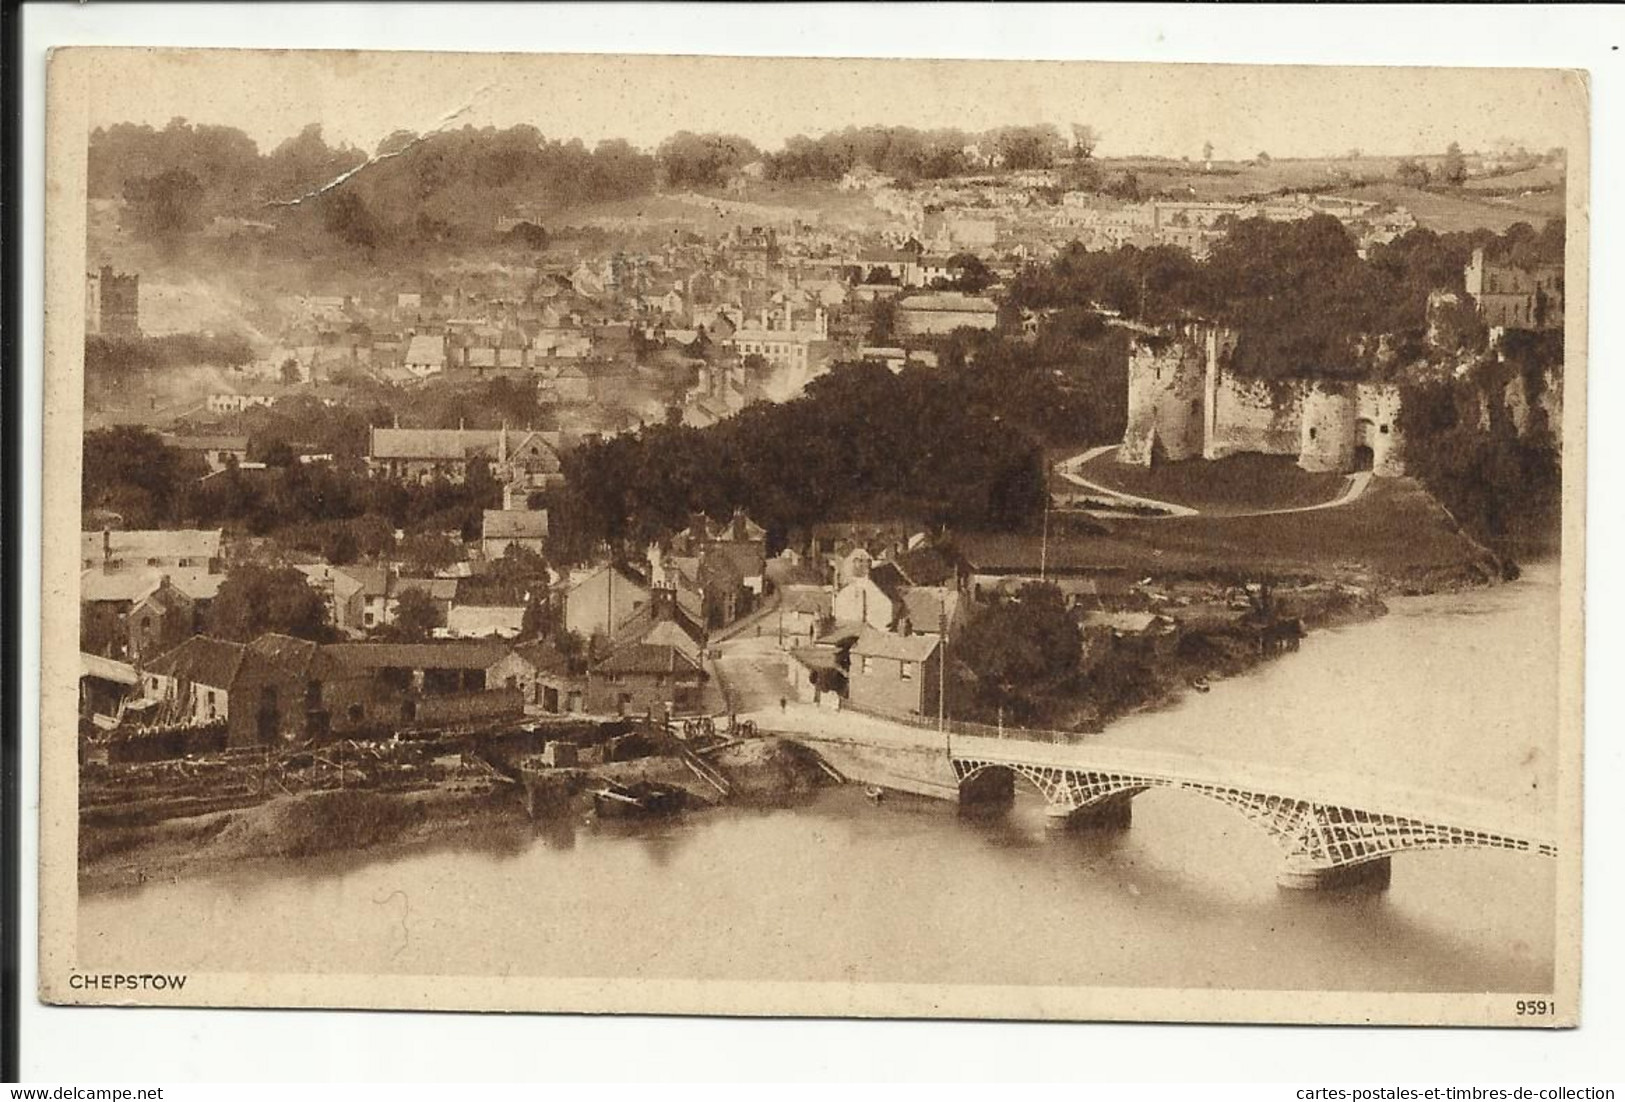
895	673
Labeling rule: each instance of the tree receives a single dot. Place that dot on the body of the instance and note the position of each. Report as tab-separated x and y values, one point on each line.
257	599
1018	648
416	616
1412	173
290	371
1125	187
882	321
1262	158
165	209
1028	147
374	535
1207	151
129	470
541	619
968	273
528	235
1084	140
703	160
346	216
428	553
1454	168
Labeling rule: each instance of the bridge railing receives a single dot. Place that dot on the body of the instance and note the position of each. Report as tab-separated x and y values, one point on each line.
978	730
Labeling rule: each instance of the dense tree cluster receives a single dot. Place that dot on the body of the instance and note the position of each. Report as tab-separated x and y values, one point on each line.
256	599
1018	650
418	190
121	356
911	154
334	509
690	160
1300	295
861	442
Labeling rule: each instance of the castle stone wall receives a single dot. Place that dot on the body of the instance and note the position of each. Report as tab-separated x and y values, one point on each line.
1184	403
1165	402
1328	423
1251	415
1377	427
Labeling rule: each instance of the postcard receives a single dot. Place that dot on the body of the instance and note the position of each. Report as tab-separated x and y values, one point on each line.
787	536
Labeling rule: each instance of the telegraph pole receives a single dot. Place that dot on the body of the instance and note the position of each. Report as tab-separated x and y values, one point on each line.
942	678
1043	545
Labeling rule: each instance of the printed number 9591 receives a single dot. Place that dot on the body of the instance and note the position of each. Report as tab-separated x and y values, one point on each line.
1536	1007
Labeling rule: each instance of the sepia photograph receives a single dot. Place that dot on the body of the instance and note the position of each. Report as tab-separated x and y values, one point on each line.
790	536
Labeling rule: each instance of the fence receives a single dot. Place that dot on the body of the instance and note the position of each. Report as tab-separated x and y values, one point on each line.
971	729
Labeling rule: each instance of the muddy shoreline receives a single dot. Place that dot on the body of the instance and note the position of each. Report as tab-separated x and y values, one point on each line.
479	808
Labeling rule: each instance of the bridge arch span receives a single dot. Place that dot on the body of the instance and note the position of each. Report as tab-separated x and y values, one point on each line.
1064	790
1316	839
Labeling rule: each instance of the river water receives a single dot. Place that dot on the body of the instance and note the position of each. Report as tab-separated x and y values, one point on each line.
1456	692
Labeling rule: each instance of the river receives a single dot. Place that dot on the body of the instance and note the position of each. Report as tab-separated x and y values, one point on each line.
1457	692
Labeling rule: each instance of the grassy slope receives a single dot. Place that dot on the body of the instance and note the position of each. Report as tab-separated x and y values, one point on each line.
1460	211
1238	483
1395	534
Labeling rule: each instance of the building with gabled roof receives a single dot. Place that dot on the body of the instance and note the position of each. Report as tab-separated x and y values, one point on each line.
425	355
505	528
899	674
416	455
134	614
193	682
600	599
655	665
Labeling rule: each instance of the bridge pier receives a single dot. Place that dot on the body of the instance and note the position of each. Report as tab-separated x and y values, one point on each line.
1368	875
1112	813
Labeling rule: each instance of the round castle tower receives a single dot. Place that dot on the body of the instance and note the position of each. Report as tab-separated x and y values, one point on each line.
1328	426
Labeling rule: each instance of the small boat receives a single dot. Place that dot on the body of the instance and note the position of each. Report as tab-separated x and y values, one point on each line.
875	793
1201	685
637	800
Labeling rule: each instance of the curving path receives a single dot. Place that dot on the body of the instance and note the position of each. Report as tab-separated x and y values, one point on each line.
1354	486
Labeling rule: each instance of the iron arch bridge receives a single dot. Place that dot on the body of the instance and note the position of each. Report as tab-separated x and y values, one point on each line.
1331	830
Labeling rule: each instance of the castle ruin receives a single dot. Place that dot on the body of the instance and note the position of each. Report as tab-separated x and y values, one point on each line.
1184	402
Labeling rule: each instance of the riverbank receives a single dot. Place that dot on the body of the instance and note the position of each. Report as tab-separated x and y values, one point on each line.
473	805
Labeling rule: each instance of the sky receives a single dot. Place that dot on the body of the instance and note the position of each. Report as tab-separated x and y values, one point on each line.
1169	110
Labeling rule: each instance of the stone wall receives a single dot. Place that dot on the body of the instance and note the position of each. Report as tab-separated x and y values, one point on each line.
1327	417
1377	427
1184	403
1166	385
1252	415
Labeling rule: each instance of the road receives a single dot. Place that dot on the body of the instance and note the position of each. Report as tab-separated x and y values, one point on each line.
1067	469
752	672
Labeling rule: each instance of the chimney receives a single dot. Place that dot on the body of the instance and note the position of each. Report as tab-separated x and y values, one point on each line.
662	604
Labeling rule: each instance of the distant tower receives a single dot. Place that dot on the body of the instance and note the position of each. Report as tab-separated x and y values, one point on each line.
112	303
